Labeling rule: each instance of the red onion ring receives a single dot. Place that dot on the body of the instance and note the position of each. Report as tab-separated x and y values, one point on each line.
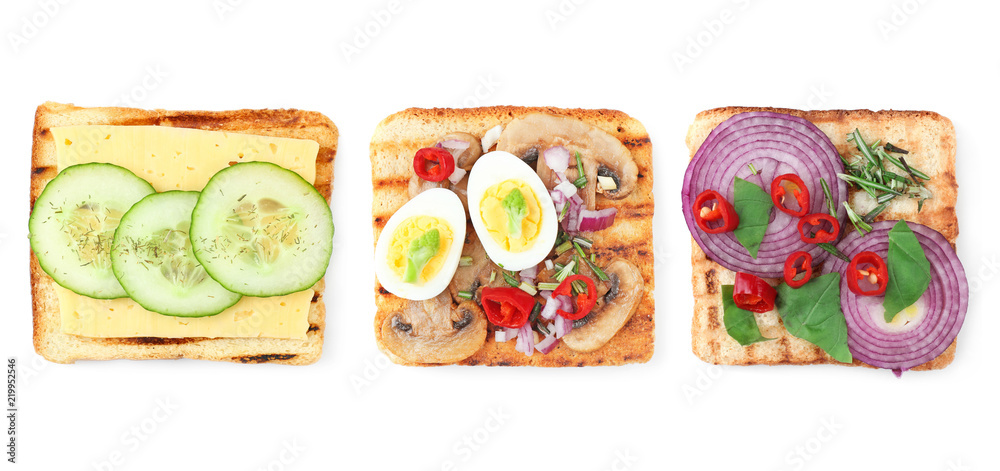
946	302
776	144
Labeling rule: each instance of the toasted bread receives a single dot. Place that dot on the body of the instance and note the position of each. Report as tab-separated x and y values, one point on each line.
399	136
58	347
930	139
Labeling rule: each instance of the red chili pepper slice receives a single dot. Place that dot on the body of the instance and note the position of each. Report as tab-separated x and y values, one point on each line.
507	307
817	235
433	164
584	301
753	294
722	211
798	263
871	267
780	187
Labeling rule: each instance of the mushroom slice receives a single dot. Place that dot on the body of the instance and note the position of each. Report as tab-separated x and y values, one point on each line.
617	307
419	185
475	277
468	157
602	153
435	330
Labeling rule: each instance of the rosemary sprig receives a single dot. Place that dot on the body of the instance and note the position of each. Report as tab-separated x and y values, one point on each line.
859	224
867	184
834	251
829	197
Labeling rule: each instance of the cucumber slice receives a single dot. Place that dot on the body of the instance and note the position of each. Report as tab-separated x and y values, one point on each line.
261	230
73	222
152	258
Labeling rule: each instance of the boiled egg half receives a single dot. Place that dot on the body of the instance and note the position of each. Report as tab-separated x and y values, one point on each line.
511	211
419	249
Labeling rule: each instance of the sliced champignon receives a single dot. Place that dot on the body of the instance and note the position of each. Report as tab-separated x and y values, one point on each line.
435	330
601	152
476	276
614	309
468	157
419	185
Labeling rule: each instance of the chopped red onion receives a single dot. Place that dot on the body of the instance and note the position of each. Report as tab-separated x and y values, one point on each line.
557	158
529	273
457	175
491	137
500	336
547	344
596	220
551	306
525	339
563	326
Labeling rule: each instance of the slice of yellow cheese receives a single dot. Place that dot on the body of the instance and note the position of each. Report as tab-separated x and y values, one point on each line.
182	159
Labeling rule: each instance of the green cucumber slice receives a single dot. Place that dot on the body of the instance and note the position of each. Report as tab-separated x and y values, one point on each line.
152	258
73	222
261	230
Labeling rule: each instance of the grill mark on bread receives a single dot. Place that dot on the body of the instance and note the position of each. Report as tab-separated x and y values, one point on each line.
713	318
265	358
711	282
391	183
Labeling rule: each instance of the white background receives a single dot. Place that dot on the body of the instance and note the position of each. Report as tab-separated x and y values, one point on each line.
352	410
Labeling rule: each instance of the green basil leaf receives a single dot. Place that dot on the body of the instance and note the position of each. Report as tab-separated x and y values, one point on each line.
740	323
753	206
909	271
812	313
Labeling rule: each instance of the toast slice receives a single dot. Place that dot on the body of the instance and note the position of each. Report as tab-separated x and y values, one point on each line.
58	347
398	137
928	136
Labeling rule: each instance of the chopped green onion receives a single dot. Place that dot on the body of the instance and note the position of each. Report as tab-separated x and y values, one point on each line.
564	247
565	211
834	251
586	243
753	169
465	262
548	264
576	264
597	270
579	286
829	197
558	266
465	294
493	276
548	286
593	257
510	279
859	224
579	249
527	288
566	271
580	172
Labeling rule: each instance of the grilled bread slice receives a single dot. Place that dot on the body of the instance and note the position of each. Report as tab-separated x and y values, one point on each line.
928	136
398	137
58	347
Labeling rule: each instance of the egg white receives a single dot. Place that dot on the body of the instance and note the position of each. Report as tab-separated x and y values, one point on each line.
496	167
439	203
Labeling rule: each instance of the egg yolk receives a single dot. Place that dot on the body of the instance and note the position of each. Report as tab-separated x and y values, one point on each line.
496	217
413	228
